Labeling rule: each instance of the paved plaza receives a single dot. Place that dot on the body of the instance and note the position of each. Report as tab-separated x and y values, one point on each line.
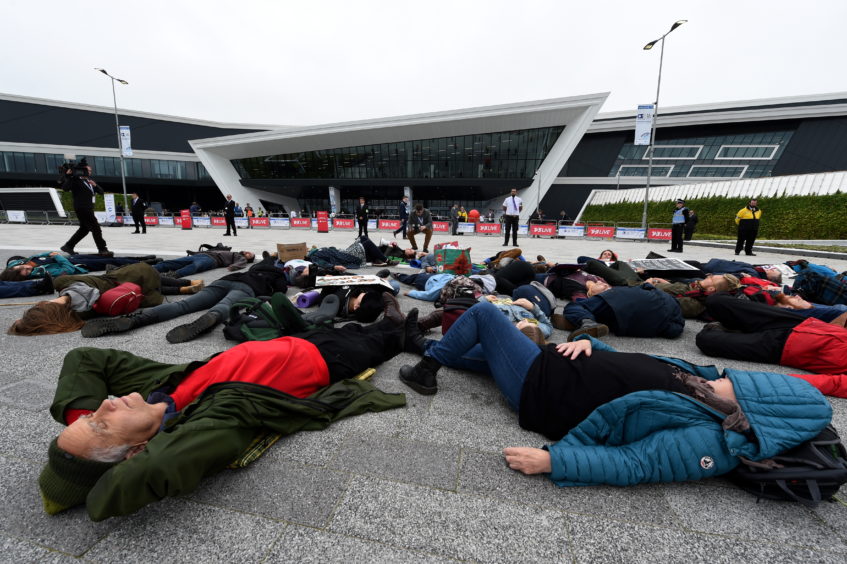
425	483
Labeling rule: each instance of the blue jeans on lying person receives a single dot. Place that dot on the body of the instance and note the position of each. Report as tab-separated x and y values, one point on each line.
21	289
483	340
186	266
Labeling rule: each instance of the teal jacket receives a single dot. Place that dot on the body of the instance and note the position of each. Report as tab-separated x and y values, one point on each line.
661	436
206	436
58	266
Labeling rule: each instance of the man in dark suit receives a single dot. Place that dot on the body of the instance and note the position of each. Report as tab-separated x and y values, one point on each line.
362	214
138	207
77	180
229	215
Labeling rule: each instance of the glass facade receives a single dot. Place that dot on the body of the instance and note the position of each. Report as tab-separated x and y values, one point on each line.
751	155
47	163
507	154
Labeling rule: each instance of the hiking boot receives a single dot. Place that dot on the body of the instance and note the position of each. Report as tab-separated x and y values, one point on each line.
422	376
191	331
120	324
70	250
431	320
559	321
391	309
384	273
589	327
413	341
45	285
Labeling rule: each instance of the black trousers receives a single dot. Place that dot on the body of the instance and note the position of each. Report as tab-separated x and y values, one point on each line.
372	252
138	220
677	233
403	223
619	274
230	223
747	232
363	227
510	222
353	348
764	329
516	273
87	224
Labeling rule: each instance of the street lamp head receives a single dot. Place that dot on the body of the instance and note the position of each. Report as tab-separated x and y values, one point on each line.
103	71
650	45
122	81
676	24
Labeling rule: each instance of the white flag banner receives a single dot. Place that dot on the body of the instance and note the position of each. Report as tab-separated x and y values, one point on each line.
126	143
109	200
644	123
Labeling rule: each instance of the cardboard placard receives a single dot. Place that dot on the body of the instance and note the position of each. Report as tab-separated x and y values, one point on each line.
290	251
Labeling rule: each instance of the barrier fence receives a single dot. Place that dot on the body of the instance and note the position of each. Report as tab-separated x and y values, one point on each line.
551	229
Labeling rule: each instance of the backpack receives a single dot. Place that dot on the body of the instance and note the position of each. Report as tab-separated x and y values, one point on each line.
122	299
458	286
811	472
261	319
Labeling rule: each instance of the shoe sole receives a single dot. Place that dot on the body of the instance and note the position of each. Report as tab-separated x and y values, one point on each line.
423	390
190	331
596	332
98	327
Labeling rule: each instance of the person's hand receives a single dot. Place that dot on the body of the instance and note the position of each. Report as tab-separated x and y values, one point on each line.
406	293
429	269
528	460
524	303
657	280
575	348
339	268
54	253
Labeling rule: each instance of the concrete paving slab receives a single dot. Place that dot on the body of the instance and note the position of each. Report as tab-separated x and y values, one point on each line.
20	551
22	433
28	395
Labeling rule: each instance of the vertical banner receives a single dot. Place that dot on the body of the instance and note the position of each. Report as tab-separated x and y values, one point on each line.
109	200
644	123
334	199
126	144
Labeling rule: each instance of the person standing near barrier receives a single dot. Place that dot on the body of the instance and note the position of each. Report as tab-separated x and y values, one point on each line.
512	207
138	207
403	212
454	218
680	217
691	224
229	216
362	214
77	180
747	220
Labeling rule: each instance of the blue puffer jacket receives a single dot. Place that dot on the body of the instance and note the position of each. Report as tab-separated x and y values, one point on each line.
660	436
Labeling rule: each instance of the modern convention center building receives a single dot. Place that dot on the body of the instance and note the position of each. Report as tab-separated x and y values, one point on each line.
553	151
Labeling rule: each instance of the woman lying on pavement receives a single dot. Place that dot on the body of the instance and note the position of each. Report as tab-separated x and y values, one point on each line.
625	418
56	264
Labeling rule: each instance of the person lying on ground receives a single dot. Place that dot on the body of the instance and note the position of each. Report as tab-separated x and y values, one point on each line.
56	264
79	292
692	295
625	418
262	279
755	332
168	426
820	284
628	311
205	260
27	288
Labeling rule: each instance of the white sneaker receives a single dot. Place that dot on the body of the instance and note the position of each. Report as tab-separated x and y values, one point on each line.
383	241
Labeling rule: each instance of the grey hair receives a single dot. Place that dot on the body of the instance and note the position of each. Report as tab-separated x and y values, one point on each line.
114	453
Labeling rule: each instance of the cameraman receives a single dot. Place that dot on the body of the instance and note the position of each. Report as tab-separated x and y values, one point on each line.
77	180
420	221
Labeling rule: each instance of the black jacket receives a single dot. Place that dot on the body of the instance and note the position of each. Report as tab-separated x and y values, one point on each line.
229	209
83	191
138	207
362	212
263	277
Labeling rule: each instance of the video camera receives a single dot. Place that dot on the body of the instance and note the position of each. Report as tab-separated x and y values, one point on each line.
78	169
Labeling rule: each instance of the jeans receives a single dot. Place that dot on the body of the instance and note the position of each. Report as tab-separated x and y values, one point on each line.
185	266
20	289
217	297
507	353
93	262
416	280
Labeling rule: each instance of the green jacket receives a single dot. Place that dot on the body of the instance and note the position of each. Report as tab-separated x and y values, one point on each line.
691	307
139	273
207	435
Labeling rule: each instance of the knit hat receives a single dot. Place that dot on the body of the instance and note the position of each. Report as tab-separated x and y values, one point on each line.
66	479
538	294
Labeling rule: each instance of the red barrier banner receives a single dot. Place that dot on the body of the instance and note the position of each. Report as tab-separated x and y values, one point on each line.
389	224
543	229
659	233
218	221
151	220
442	226
260	221
343	223
494	228
119	219
599	231
301	222
177	221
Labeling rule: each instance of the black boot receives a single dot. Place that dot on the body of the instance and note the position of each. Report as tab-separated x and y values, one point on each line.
120	324
45	285
191	331
413	341
431	321
590	327
391	309
422	376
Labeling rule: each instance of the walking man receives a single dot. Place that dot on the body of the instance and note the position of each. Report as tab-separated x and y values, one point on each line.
78	181
680	218
403	212
512	207
229	216
747	220
138	207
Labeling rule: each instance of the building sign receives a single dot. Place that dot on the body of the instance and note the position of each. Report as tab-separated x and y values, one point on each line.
260	222
465	227
599	231
660	233
343	223
493	228
441	226
543	229
389	224
629	233
644	123
301	222
571	231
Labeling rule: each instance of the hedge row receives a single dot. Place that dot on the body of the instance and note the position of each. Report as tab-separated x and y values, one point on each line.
790	217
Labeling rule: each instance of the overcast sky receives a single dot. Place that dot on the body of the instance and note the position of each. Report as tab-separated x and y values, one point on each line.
308	62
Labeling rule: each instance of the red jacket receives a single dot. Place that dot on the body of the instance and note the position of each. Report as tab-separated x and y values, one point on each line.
816	346
827	384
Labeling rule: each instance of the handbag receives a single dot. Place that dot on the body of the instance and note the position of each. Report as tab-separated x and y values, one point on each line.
122	299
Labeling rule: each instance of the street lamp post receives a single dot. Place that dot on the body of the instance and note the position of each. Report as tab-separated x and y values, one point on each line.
655	118
118	131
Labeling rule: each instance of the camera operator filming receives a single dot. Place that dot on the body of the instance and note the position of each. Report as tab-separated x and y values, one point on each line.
76	178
